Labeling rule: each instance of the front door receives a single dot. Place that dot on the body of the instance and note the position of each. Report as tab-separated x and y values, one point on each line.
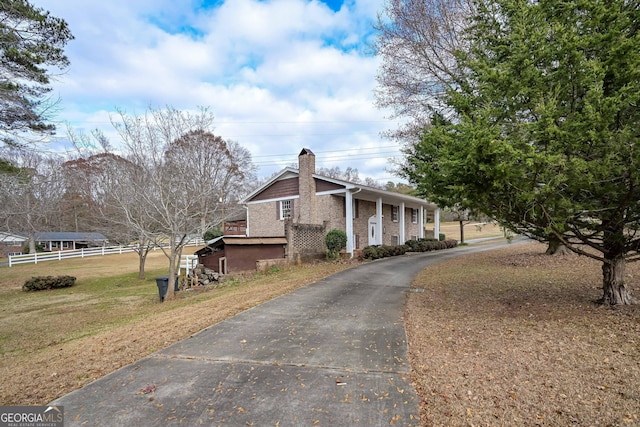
373	225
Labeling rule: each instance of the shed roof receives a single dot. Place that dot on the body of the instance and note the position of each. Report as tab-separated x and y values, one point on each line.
239	241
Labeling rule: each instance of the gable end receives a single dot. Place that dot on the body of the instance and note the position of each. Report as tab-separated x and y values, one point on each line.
279	189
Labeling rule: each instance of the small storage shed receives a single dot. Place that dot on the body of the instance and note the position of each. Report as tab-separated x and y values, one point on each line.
232	254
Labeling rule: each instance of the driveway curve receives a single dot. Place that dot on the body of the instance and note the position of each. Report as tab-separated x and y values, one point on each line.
332	353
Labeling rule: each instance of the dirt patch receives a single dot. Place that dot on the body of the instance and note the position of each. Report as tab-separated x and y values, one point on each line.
512	337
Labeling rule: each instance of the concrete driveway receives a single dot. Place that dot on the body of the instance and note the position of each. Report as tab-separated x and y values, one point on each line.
330	354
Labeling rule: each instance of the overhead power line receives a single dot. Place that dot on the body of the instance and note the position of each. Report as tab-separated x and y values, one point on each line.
358	149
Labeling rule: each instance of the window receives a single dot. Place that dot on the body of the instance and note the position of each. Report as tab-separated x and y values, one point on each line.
395	213
395	240
414	216
285	209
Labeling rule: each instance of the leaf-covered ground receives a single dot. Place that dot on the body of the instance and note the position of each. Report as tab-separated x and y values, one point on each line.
512	337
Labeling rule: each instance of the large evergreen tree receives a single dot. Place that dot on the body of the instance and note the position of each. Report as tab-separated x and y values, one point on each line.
542	129
31	45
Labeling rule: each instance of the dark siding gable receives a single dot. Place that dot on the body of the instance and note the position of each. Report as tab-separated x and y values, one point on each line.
277	190
327	186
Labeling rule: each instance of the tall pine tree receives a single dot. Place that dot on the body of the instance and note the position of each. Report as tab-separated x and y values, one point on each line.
31	45
543	127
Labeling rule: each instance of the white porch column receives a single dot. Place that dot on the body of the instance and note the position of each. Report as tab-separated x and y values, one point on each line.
421	222
348	200
436	224
379	221
401	234
246	230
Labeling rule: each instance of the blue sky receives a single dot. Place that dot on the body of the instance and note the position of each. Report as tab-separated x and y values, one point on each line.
279	75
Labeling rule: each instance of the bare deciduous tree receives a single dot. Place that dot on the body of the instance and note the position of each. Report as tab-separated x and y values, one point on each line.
180	170
417	40
30	197
218	169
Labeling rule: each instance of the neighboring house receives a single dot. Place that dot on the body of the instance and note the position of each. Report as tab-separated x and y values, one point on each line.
62	241
11	244
303	206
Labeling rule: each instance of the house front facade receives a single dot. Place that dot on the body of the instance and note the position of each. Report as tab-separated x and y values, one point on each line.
63	241
304	206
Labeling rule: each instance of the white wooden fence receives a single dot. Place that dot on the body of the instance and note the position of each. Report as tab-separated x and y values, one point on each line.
188	263
80	253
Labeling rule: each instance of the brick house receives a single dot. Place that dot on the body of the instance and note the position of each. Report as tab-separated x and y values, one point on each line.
53	241
304	206
11	244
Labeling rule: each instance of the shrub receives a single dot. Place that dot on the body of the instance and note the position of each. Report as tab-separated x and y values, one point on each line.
370	252
420	245
40	283
335	241
211	234
26	249
413	245
442	237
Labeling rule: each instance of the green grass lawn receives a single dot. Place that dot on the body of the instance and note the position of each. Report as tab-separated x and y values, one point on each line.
52	342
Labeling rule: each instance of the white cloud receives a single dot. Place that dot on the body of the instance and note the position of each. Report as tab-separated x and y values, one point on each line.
278	75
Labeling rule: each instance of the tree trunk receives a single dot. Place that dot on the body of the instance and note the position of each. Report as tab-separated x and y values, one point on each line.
461	232
142	259
556	247
614	290
172	274
32	243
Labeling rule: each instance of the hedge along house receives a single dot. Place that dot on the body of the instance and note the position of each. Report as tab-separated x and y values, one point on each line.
303	206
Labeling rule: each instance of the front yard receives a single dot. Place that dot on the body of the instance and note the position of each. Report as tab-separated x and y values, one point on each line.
512	337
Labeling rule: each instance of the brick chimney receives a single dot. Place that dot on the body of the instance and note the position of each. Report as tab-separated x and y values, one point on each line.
308	211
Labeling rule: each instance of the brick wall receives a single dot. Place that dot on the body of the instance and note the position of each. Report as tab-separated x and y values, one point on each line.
263	220
330	210
307	214
412	229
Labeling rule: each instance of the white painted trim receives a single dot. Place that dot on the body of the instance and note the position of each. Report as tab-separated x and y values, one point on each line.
330	192
402	215
348	204
272	200
379	221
